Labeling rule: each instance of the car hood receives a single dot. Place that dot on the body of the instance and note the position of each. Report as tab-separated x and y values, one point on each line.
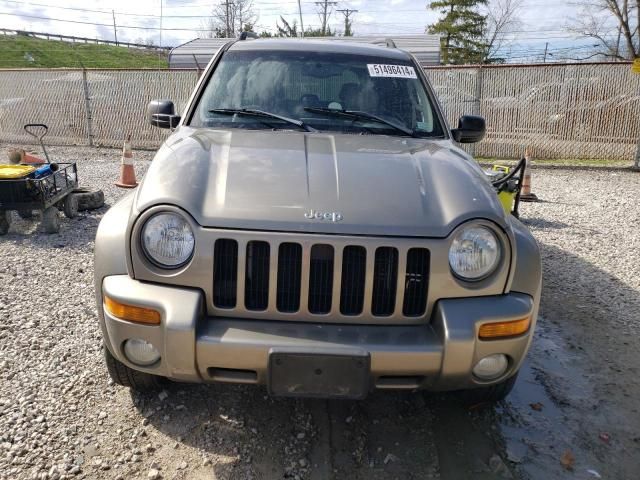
368	184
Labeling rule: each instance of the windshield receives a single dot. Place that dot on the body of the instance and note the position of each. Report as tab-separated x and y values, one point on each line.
312	87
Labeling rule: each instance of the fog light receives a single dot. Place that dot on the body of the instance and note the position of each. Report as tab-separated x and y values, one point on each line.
491	367
141	352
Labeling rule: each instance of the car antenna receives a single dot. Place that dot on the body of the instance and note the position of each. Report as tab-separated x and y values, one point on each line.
390	43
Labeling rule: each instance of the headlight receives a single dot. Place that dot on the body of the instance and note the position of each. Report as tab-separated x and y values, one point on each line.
474	253
167	240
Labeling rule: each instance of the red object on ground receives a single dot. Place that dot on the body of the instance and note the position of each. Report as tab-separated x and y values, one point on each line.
127	173
28	158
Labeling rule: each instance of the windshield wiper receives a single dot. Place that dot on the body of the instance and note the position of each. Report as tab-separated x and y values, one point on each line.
362	115
260	113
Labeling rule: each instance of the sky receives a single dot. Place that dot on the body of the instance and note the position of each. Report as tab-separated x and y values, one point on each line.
543	21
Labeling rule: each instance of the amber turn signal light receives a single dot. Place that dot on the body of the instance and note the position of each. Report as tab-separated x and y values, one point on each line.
512	328
131	313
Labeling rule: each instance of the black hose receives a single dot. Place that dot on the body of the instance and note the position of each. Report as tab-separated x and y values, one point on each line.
519	166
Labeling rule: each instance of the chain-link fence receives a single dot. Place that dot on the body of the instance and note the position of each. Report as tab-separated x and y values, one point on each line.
575	111
581	111
89	107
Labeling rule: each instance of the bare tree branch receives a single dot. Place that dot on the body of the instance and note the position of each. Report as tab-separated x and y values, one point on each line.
502	19
610	22
241	14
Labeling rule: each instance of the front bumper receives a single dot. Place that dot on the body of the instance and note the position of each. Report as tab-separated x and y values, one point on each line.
196	348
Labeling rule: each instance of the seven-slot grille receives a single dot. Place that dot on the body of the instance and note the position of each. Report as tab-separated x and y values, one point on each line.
347	280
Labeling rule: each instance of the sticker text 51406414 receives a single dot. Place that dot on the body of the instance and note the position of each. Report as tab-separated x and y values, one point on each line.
395	71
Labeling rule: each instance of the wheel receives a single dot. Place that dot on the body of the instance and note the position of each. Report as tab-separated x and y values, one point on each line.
50	220
89	199
5	221
128	377
70	206
490	394
25	214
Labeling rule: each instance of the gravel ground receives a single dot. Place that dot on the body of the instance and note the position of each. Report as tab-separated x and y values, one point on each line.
60	416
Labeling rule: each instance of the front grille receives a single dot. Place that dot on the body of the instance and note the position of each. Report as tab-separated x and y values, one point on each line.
416	283
256	279
354	272
289	275
320	279
385	279
225	273
274	279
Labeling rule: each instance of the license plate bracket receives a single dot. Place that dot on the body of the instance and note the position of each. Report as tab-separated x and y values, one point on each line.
319	373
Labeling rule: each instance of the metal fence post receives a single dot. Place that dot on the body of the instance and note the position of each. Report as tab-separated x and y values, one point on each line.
87	104
637	165
478	100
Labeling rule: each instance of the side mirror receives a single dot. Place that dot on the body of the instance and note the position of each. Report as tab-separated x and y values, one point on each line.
162	114
471	129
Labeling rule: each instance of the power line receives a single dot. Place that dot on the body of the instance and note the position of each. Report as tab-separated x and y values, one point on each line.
38	17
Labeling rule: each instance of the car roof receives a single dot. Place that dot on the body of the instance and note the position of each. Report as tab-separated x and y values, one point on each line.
323	46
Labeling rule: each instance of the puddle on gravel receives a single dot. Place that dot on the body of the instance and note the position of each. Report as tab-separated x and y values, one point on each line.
527	435
542	418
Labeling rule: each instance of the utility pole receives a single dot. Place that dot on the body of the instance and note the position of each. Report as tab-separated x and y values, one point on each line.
618	43
347	24
546	49
324	13
301	24
228	4
115	31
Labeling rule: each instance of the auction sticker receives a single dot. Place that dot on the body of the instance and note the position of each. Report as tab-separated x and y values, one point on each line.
394	71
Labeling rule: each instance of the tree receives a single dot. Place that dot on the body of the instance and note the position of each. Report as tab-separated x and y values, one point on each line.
317	32
614	24
348	31
501	20
232	15
287	29
243	15
462	28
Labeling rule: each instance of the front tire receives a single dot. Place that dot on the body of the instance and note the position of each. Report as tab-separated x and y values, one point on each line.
491	394
128	377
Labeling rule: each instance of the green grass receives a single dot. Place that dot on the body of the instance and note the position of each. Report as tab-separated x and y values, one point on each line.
563	162
56	54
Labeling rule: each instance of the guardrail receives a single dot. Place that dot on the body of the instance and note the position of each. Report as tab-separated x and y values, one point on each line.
72	39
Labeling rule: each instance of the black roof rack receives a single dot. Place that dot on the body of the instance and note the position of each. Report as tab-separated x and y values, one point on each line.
246	35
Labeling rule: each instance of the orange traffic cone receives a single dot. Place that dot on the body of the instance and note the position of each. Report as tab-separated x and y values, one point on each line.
527	195
28	158
127	173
